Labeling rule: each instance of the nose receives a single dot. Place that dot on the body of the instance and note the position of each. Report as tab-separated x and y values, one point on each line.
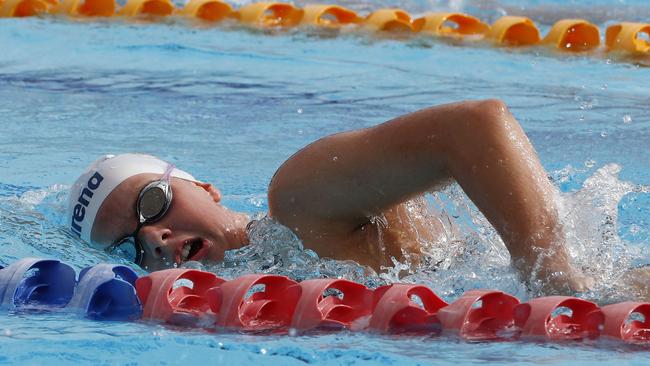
155	240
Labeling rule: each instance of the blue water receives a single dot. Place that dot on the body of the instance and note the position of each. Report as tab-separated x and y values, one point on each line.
230	105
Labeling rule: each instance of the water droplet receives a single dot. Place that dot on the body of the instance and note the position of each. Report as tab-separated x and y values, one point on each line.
299	110
627	119
603	133
7	332
293	332
604	87
263	351
590	163
335	158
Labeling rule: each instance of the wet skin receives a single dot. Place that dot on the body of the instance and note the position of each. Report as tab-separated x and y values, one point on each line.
196	216
329	192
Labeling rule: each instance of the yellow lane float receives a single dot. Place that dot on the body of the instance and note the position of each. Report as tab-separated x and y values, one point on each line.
206	10
391	20
87	8
450	24
514	31
573	35
25	8
155	8
269	14
566	34
331	16
626	37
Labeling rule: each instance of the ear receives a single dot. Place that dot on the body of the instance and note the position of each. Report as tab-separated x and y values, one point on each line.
213	191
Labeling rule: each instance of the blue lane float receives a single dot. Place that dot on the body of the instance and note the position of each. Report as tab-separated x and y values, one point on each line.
33	282
103	292
107	292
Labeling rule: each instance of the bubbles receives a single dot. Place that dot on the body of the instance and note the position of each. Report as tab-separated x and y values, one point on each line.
627	119
34	224
274	248
465	253
590	219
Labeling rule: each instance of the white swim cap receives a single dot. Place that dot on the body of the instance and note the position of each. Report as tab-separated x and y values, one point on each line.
98	180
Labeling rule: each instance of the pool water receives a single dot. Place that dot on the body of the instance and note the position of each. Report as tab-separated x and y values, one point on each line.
230	105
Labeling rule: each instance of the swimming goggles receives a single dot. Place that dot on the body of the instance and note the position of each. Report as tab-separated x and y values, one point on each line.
152	204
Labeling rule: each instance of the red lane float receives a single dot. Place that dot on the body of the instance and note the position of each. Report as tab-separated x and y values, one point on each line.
559	318
394	309
268	302
338	310
480	315
269	308
177	296
619	322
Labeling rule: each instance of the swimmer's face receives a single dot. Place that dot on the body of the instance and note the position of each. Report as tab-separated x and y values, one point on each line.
196	226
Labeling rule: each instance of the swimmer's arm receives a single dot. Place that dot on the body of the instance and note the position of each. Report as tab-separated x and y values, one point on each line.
338	183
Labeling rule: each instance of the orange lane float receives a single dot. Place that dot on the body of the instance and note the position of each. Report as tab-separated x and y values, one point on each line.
450	24
514	31
626	37
86	8
390	20
573	35
206	10
152	8
331	16
269	14
25	8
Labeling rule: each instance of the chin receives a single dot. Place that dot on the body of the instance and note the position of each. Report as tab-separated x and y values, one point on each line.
214	255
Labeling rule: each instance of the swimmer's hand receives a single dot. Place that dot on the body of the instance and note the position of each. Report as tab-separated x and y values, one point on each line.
567	283
558	277
637	282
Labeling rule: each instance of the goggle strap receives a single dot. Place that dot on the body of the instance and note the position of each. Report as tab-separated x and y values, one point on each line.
168	172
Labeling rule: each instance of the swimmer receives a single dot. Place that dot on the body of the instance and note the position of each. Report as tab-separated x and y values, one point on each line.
329	192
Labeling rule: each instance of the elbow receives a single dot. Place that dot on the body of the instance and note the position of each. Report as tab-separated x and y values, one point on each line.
488	109
486	116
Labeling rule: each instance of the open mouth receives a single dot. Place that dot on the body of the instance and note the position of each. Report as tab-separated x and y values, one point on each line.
193	249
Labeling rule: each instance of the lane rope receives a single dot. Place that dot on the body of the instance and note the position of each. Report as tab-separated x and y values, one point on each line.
273	303
568	35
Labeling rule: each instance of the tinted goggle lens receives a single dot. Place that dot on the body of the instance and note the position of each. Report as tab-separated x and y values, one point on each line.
152	203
